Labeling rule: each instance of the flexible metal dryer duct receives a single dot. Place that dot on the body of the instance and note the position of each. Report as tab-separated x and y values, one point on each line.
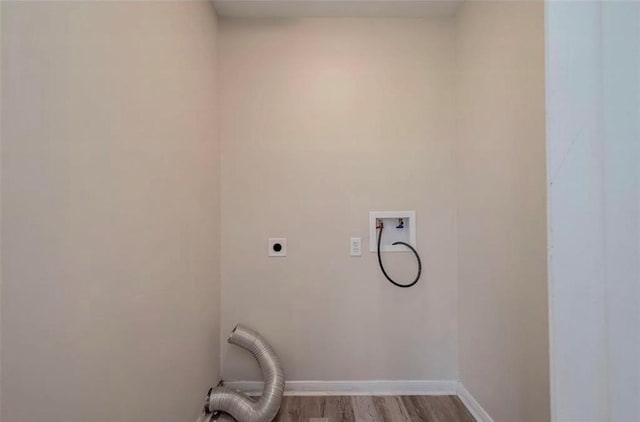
240	406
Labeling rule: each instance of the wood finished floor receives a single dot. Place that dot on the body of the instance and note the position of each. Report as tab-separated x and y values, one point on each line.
373	409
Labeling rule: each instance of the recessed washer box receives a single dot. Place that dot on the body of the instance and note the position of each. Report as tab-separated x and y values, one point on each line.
399	226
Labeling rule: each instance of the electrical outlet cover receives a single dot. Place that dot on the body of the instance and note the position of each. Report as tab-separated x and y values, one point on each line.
277	246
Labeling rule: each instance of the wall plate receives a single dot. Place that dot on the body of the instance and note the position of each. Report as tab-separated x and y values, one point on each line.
277	246
355	246
391	233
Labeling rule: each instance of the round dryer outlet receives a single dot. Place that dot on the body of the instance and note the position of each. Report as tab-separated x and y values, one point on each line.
277	246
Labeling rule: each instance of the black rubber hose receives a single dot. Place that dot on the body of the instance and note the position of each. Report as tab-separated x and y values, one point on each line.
398	243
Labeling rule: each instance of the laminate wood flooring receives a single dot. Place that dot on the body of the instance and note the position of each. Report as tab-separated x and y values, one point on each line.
373	409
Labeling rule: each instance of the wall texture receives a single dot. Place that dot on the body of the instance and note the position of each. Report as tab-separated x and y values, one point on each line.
109	211
322	121
502	208
593	103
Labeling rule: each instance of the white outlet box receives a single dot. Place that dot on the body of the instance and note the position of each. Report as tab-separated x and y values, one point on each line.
392	232
277	246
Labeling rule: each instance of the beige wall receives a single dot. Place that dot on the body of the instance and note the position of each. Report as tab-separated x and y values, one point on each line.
323	120
110	203
109	211
502	227
1	73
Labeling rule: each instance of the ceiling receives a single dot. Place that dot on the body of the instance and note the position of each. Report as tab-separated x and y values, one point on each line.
335	8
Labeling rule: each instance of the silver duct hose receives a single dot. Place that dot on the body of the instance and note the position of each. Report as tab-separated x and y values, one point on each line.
240	406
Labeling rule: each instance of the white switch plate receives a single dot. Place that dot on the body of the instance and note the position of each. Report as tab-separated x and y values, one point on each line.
277	246
356	246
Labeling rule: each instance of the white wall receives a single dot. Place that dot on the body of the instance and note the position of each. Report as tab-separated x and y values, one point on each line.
593	53
323	120
501	218
621	137
109	211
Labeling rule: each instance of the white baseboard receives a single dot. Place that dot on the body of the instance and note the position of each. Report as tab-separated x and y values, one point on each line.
355	388
472	404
